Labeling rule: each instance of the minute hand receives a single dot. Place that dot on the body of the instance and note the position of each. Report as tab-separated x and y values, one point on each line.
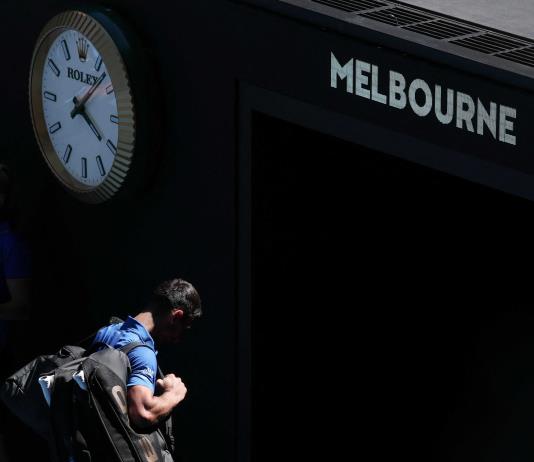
83	113
81	103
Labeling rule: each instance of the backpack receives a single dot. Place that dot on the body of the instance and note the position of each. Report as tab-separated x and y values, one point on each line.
23	395
76	400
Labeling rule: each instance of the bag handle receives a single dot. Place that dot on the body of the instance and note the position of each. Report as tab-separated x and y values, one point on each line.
87	340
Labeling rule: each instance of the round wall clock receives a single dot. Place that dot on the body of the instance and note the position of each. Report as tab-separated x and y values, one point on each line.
82	106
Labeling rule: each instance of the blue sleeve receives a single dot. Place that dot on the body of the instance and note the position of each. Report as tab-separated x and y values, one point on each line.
17	260
144	367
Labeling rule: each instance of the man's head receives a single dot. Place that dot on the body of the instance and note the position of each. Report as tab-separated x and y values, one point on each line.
175	304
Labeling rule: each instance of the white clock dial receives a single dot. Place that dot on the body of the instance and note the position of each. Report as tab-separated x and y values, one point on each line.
82	103
80	108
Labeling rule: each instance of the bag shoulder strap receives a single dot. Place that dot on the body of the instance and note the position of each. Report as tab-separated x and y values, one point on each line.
130	346
86	342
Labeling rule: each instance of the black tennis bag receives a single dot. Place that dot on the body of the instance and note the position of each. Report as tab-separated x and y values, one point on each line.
85	418
23	395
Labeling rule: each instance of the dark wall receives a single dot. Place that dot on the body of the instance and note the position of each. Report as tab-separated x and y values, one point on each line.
95	261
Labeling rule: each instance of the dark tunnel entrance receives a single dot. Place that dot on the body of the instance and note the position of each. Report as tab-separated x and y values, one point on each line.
377	293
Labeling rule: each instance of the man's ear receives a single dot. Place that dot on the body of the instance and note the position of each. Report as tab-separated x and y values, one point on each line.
177	313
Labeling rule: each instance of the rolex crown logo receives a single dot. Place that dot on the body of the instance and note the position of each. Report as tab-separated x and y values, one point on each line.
83	48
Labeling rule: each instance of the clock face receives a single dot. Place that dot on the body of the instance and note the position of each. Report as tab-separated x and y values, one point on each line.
82	105
80	108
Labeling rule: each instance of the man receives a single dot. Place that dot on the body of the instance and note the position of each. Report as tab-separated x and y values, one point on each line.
175	304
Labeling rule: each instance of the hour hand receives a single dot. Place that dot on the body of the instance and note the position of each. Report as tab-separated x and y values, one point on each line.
80	104
86	117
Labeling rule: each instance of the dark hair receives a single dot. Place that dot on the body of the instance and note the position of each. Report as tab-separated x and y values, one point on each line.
176	293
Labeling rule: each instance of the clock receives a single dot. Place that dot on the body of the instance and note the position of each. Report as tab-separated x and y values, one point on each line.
82	104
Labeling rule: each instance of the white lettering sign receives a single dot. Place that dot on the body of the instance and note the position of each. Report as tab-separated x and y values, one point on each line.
469	114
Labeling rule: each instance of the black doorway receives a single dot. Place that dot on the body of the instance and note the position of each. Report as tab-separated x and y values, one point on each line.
372	278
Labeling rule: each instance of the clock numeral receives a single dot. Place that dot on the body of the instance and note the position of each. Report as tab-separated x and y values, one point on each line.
52	65
66	156
100	165
109	89
50	96
84	167
114	119
98	63
111	147
54	128
66	51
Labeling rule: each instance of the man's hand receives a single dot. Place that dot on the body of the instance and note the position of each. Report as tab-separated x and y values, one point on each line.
146	410
173	385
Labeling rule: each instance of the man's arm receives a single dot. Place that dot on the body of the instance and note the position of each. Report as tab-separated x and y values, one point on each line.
146	410
18	306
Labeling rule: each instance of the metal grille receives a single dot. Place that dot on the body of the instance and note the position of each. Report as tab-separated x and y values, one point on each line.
523	56
489	43
351	6
397	16
441	29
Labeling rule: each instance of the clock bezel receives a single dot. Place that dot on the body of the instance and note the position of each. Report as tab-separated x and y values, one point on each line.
108	50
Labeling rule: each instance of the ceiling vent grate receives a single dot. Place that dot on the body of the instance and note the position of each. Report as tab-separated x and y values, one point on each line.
441	29
397	16
489	43
351	6
444	28
524	56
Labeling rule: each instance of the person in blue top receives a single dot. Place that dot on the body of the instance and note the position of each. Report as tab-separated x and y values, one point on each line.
174	305
15	285
15	261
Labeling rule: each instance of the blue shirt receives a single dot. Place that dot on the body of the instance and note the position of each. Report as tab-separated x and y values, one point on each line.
15	263
142	360
14	259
